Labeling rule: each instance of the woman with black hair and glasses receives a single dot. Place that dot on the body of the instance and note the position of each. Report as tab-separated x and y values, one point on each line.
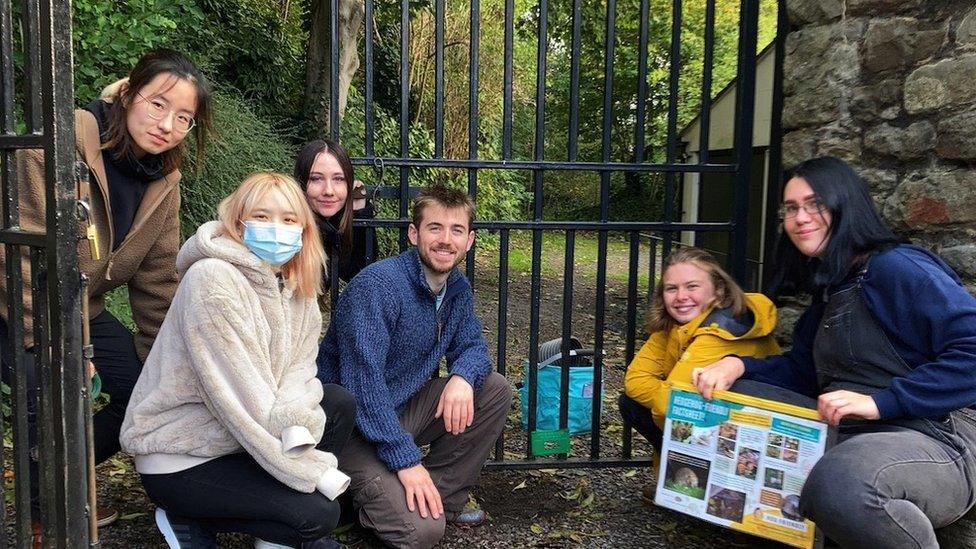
132	140
887	352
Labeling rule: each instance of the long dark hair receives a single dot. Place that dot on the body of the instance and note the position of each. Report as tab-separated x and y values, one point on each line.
303	168
149	66
856	229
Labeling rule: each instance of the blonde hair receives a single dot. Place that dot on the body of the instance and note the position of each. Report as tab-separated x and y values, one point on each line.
303	273
727	292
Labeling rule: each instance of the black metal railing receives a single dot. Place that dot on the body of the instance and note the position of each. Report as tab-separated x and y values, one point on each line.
36	112
650	238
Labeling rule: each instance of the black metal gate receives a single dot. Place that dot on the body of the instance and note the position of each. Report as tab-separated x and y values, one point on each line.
36	112
658	236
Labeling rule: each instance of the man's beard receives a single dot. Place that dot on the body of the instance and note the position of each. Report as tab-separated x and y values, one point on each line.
425	259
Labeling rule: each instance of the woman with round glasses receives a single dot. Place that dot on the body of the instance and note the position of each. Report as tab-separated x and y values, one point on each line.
887	352
132	142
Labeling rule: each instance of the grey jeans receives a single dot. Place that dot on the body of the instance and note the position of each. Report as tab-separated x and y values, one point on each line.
454	464
887	485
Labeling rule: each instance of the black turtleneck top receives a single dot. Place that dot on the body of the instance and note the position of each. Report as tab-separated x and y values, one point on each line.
351	261
127	176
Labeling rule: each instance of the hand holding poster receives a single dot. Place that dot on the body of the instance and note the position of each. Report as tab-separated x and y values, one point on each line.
740	462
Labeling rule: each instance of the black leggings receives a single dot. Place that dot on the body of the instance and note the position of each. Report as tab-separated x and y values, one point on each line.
640	419
117	365
234	494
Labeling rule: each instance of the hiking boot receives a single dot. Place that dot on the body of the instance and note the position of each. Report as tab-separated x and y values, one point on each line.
647	494
466	518
183	533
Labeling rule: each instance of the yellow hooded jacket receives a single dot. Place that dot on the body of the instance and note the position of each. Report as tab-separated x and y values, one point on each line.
671	355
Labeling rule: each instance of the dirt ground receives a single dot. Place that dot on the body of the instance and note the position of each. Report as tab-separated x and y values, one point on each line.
527	508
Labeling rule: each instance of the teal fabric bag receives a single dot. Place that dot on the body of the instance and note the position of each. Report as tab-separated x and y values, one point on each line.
548	393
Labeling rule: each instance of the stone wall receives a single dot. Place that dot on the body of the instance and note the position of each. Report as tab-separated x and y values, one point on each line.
890	86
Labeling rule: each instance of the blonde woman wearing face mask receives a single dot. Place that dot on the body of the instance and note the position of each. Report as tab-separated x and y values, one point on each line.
228	421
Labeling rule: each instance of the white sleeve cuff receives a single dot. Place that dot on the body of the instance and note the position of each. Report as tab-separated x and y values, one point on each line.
296	440
332	483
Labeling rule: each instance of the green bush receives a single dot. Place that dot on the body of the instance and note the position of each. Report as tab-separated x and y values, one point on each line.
109	37
258	47
117	303
246	144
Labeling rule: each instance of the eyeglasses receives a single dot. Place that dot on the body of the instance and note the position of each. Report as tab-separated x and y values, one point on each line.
157	109
813	206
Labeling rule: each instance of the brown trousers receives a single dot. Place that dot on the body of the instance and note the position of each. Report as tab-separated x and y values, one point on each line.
454	464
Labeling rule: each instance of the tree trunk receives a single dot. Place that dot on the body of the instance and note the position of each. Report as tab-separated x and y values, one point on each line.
318	73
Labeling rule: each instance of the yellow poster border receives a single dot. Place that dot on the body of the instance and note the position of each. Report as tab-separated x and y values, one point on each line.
755	402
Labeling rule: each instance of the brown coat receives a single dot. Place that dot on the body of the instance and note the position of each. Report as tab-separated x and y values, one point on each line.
146	259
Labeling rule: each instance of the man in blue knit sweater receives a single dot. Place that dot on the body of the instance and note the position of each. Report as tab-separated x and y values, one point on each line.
393	324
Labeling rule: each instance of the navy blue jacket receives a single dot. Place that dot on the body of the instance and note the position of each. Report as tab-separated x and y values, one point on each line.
930	320
386	340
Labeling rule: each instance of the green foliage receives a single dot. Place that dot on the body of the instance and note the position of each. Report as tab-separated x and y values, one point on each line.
246	144
566	195
692	491
575	196
109	37
498	197
258	47
117	303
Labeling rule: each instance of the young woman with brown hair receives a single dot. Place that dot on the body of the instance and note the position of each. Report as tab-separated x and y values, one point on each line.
698	315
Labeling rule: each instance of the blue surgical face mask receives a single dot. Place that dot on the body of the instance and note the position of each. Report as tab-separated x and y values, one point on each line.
273	243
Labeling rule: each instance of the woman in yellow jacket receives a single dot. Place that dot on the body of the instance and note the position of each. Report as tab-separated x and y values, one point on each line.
698	314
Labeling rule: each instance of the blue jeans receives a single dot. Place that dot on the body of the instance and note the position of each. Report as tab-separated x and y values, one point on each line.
887	485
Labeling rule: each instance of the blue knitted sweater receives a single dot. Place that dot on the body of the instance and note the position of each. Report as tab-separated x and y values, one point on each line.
386	340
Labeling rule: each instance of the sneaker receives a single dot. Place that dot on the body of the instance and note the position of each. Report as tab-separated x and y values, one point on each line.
327	542
182	533
106	516
261	544
466	518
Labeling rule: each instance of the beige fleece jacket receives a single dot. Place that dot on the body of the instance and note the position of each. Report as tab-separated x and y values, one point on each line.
232	368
